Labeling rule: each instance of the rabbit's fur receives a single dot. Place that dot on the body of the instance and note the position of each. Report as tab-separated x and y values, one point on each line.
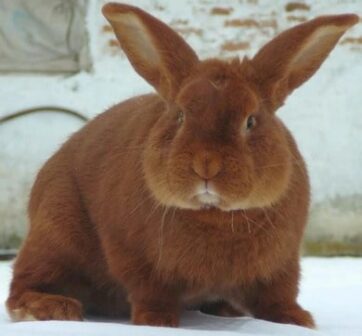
193	197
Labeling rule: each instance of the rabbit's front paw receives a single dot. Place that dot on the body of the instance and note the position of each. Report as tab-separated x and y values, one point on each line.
159	319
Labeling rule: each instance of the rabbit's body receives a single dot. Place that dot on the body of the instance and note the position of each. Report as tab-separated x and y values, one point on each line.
196	199
209	254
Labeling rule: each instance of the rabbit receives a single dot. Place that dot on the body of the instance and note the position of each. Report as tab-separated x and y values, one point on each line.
194	197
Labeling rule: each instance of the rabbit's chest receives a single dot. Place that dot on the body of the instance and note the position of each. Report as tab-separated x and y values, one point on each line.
213	261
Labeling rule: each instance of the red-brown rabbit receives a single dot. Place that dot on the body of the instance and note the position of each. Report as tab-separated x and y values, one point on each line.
196	196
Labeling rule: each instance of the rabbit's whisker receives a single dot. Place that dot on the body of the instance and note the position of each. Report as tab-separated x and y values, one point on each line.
161	235
232	221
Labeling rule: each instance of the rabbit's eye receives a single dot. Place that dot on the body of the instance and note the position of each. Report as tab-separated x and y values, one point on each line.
180	117
250	122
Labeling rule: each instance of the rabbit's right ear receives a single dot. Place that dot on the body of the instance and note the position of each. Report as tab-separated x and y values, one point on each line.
155	51
295	55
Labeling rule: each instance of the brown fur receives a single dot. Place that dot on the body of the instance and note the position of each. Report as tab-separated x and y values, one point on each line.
118	222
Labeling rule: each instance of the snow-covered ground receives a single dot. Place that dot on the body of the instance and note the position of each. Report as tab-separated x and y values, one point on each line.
331	289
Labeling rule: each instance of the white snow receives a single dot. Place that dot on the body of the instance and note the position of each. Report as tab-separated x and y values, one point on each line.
330	288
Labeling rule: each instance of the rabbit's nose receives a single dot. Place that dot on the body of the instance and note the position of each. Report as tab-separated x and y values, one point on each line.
207	164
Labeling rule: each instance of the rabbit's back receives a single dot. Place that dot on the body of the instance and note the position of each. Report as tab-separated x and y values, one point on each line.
103	149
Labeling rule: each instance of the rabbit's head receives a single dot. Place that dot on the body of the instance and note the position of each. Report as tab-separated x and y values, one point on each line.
218	142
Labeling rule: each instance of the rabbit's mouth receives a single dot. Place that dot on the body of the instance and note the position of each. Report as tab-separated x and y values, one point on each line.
208	199
206	196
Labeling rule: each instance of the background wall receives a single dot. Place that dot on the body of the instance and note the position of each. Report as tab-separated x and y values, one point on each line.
325	115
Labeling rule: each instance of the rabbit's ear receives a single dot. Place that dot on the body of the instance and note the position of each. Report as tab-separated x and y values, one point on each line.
295	55
155	51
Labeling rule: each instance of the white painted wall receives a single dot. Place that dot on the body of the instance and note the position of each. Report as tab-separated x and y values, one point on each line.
325	115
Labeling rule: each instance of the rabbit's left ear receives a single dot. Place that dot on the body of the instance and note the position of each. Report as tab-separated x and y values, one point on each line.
155	51
295	55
